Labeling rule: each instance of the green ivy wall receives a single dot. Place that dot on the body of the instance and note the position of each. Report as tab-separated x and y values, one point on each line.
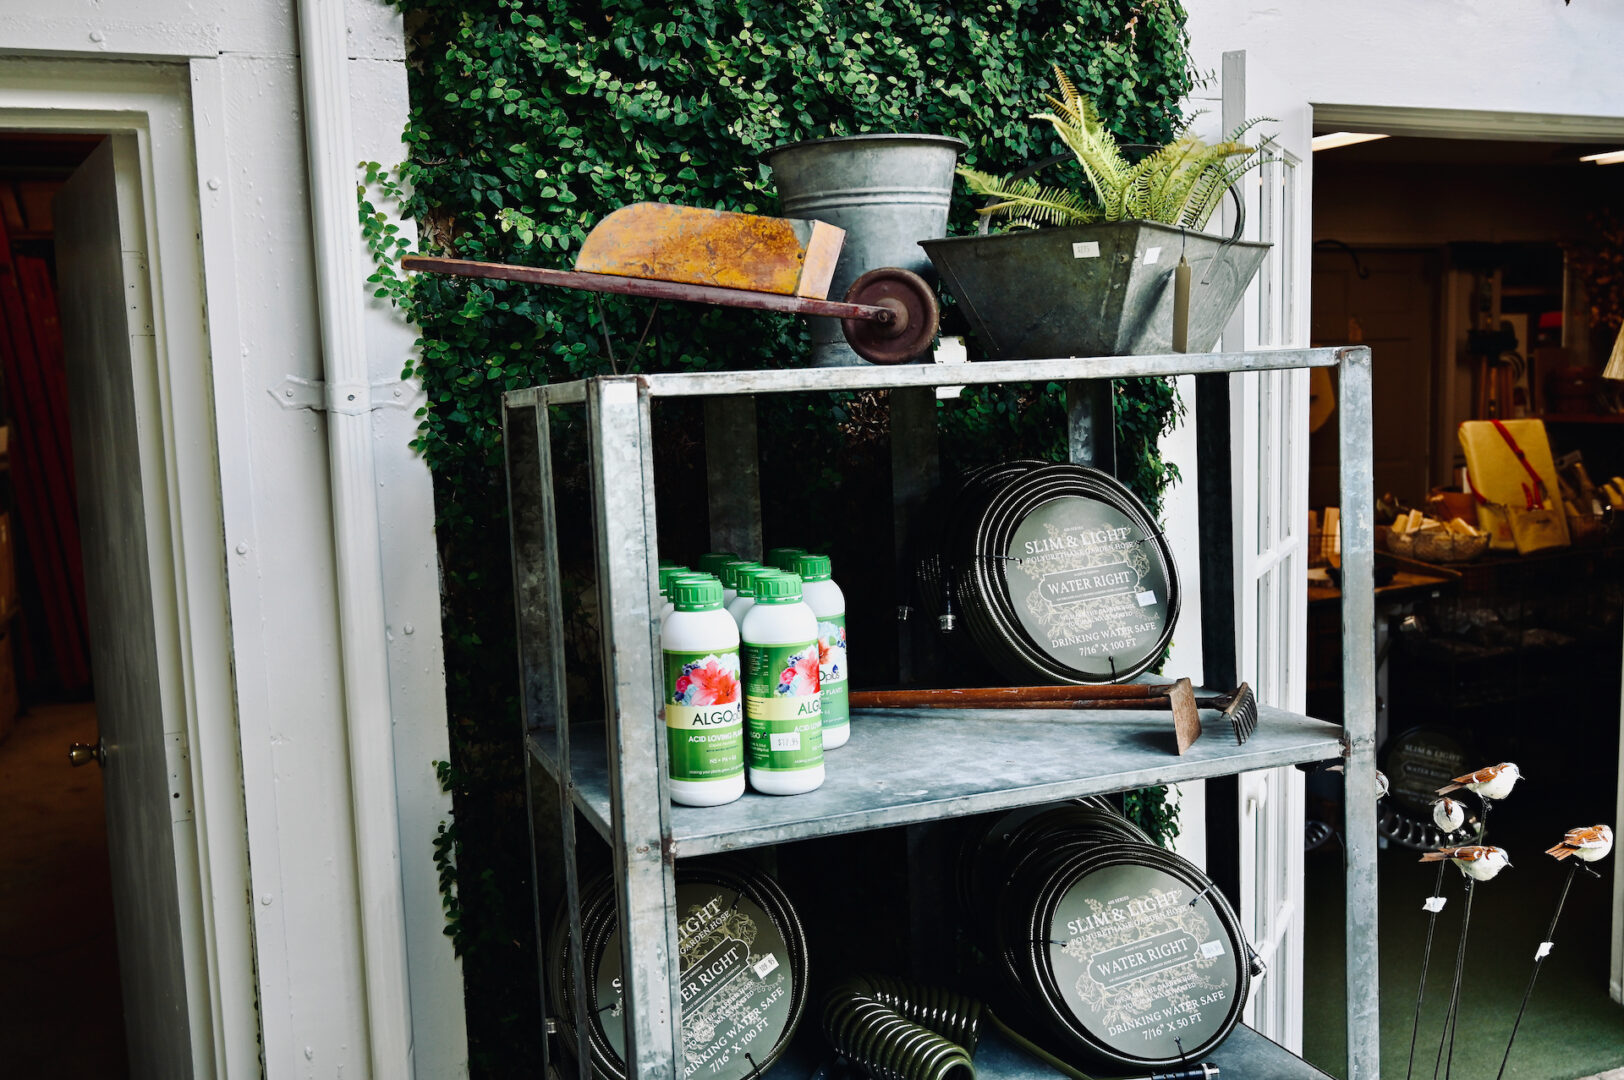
531	121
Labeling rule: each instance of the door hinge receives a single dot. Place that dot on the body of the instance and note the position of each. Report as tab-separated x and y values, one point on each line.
180	775
294	392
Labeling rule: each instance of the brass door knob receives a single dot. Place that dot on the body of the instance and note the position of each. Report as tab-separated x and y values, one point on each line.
83	754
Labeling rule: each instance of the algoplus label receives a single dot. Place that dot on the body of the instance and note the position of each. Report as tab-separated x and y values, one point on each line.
704	715
783	700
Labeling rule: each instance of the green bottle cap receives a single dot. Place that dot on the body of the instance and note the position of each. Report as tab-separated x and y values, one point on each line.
747	579
666	574
671	562
813	567
784	557
712	561
731	571
780	588
697	593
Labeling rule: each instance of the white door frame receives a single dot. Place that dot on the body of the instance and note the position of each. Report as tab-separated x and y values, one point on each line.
185	398
1510	127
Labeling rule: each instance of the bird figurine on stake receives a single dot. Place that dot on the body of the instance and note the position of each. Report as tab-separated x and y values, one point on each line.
1587	845
1450	817
1476	862
1489	784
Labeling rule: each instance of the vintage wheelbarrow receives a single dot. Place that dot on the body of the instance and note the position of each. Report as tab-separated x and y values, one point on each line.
669	252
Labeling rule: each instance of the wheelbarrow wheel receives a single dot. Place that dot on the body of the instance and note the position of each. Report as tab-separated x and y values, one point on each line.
914	316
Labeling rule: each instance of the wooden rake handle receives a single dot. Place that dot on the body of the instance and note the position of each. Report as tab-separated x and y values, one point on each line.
1027	697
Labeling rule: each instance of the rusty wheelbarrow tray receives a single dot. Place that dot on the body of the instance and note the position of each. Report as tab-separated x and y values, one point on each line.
667	252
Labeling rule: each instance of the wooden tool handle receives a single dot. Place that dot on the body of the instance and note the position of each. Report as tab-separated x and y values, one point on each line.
1003	696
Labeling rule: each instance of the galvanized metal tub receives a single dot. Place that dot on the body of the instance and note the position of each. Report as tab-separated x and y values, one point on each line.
1092	290
888	192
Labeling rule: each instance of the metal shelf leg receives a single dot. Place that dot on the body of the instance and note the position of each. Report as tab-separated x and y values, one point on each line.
627	557
1354	413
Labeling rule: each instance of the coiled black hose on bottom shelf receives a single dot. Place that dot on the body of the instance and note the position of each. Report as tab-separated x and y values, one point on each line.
900	1030
895	1029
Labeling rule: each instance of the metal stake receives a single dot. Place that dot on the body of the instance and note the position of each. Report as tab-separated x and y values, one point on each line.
1539	961
1426	957
1454	994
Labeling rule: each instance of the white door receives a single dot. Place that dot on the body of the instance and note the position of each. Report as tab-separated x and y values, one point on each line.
108	336
1269	419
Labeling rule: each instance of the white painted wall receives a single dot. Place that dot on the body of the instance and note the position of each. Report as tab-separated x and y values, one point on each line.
1522	56
239	60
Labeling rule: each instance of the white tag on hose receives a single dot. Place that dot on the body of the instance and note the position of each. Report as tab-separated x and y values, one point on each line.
1433	904
1543	951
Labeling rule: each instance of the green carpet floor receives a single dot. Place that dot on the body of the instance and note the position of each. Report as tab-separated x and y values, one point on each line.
1572	1028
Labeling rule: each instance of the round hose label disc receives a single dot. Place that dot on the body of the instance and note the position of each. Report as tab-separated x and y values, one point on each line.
735	983
1087	585
1420	762
1139	966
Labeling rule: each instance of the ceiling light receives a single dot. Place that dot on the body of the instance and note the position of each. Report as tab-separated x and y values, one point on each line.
1343	138
1608	157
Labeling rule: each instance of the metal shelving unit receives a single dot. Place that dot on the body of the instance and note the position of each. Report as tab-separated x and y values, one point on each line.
611	770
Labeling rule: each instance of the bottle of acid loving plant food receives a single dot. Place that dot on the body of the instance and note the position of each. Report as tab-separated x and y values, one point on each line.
744	585
704	716
783	704
729	574
828	603
783	558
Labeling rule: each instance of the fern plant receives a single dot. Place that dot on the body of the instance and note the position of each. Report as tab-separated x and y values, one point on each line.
1180	183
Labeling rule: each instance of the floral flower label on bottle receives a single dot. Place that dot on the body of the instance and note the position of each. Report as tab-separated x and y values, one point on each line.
704	720
783	706
832	669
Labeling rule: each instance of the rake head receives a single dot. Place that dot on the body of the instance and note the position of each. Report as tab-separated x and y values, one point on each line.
1240	709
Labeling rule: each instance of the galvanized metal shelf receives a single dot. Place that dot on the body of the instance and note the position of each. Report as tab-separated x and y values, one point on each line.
611	769
902	376
1015	758
1245	1054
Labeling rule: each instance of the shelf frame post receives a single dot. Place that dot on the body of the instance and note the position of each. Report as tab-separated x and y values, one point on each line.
1091	424
733	475
536	624
915	473
622	462
1354	422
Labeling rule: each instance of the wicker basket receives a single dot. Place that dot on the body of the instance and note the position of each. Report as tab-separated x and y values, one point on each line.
1437	545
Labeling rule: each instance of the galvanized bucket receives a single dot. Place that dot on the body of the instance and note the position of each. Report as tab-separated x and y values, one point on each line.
1092	290
888	192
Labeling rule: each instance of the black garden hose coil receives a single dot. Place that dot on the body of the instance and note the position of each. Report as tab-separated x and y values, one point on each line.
1103	947
1057	572
743	967
900	1030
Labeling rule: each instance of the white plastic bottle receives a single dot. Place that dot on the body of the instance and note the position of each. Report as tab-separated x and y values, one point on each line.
783	706
730	578
828	603
745	584
783	558
712	561
703	703
670	591
668	570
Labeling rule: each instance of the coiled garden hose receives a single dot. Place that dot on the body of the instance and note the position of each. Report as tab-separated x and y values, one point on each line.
900	1030
895	1029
